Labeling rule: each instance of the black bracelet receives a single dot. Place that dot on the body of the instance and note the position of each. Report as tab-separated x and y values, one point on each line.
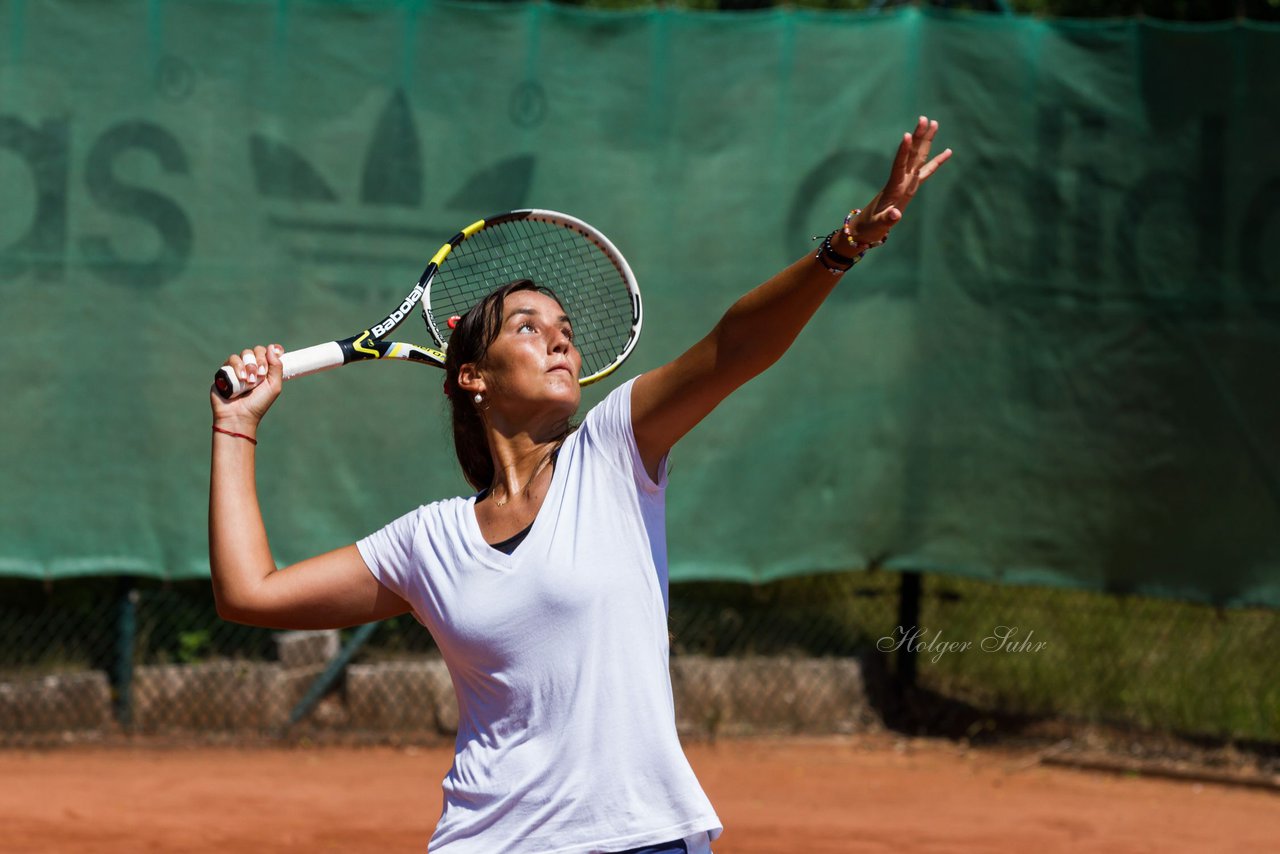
835	271
836	256
835	263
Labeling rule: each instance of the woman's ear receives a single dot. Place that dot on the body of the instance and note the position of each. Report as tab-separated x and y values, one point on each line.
470	380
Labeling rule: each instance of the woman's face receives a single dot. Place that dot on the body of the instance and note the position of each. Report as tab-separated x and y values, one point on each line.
532	362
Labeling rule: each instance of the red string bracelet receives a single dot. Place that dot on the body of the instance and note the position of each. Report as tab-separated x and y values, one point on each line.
251	440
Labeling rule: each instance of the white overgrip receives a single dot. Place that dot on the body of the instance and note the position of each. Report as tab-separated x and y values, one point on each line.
310	360
296	363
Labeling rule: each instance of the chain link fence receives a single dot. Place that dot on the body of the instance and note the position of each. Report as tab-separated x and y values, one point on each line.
104	658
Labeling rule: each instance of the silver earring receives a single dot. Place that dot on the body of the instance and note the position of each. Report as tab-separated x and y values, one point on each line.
479	398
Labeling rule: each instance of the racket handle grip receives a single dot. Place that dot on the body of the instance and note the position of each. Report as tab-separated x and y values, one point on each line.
296	363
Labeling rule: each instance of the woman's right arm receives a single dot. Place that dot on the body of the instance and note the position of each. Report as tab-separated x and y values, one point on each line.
331	590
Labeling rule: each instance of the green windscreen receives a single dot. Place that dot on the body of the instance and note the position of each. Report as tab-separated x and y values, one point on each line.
1061	370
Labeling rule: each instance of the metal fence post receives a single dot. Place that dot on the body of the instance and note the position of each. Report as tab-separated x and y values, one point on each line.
332	672
908	622
126	636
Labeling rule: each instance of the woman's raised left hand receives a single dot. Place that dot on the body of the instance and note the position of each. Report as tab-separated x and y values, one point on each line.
911	168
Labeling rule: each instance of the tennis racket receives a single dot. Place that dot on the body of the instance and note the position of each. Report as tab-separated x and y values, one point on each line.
593	281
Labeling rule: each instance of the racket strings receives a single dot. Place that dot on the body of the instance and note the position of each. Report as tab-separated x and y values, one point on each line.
589	284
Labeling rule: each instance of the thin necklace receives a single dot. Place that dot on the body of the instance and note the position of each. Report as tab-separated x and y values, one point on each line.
550	454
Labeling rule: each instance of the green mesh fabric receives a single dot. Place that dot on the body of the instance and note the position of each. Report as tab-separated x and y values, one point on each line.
1061	370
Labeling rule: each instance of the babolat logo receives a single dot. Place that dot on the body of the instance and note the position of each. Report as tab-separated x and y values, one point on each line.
394	318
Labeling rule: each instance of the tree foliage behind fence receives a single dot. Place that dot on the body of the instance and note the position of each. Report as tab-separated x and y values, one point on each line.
102	658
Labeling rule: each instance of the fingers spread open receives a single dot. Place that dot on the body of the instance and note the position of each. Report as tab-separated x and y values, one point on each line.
900	160
923	142
932	166
922	127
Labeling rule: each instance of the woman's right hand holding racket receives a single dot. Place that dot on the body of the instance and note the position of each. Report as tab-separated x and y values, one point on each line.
260	370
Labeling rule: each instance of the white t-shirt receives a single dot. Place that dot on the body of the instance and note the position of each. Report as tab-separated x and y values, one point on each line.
559	657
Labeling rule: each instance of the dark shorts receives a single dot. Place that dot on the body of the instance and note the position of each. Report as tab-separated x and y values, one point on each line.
675	847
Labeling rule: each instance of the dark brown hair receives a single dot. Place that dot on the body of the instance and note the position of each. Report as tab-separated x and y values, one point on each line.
468	344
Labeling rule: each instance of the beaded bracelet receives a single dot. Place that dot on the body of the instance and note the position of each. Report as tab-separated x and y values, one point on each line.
848	234
837	263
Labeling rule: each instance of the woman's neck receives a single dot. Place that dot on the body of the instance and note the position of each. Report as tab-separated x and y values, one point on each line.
519	459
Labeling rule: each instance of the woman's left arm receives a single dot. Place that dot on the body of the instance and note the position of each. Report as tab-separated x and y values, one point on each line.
669	401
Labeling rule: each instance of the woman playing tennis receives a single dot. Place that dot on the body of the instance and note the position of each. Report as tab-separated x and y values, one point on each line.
546	591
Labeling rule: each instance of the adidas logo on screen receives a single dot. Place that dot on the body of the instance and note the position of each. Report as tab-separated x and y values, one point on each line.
394	216
387	227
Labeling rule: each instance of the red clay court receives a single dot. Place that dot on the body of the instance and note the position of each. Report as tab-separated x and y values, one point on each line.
868	793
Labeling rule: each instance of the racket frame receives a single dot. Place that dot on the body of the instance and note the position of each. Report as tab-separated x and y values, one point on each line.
371	343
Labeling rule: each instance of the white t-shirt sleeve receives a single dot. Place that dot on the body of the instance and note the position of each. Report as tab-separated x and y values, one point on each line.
609	431
389	554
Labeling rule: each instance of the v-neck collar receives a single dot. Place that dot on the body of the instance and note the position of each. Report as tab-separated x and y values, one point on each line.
480	548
